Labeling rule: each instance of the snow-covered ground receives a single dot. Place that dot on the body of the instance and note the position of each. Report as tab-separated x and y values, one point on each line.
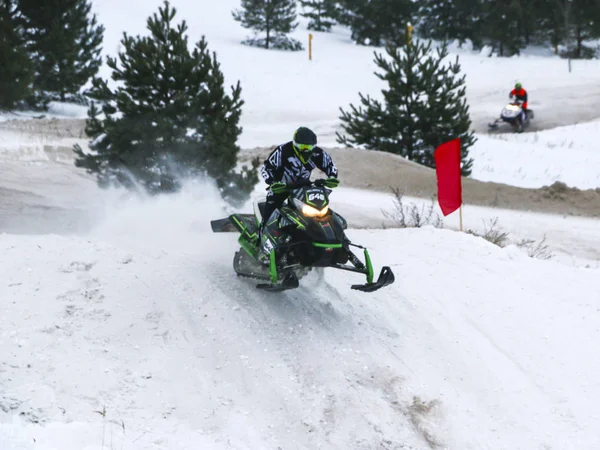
568	154
573	241
135	333
140	336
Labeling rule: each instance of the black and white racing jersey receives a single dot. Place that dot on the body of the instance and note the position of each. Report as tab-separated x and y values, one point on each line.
283	165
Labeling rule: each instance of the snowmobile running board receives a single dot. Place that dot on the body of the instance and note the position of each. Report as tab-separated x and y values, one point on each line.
289	282
292	284
386	277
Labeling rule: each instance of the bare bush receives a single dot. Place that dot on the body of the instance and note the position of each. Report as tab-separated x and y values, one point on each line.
539	250
411	215
492	233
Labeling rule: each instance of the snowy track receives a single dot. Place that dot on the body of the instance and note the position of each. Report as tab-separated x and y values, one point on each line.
553	106
179	351
116	329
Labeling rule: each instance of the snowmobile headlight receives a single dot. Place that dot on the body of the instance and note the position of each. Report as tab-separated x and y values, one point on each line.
309	211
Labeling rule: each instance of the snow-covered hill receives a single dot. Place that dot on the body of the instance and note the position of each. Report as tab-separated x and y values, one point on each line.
282	88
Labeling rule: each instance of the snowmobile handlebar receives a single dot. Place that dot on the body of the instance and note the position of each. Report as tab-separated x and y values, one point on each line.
320	182
291	186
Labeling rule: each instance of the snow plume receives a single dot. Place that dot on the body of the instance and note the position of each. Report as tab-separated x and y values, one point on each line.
141	215
164	224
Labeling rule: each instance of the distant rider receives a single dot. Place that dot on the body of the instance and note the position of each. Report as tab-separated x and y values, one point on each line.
520	94
290	163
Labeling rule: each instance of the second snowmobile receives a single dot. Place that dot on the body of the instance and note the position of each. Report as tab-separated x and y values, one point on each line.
512	115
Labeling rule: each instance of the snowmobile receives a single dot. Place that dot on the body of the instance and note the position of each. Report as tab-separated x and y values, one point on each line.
511	114
304	233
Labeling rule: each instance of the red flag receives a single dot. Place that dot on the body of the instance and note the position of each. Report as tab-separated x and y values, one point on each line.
447	167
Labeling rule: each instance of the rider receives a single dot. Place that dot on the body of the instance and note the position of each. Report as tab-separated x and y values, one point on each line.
291	162
520	94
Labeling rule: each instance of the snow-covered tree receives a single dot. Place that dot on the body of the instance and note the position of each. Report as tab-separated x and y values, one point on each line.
377	22
581	20
423	106
501	26
16	71
273	18
451	19
64	43
169	116
322	14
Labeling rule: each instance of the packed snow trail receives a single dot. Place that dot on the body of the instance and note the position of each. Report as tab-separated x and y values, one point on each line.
173	350
141	335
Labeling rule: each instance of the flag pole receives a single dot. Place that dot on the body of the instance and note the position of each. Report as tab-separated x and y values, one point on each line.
461	221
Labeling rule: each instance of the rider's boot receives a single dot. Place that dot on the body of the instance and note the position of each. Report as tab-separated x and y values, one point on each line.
267	213
260	231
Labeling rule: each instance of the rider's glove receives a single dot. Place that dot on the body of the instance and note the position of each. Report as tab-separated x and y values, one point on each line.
332	183
278	188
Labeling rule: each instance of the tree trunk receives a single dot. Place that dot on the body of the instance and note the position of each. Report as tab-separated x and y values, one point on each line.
526	33
319	13
579	38
567	14
268	32
61	70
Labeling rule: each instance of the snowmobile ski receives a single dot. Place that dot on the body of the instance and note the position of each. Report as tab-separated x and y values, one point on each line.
386	277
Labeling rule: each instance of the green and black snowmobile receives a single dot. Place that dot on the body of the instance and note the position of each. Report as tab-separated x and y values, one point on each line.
304	233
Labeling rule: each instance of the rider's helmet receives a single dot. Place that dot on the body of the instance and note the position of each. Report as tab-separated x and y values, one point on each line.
518	85
304	143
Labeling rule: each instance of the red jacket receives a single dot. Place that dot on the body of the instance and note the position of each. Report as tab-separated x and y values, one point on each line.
520	94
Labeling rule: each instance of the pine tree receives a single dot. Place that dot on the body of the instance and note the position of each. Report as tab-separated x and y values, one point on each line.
547	27
569	23
322	14
275	18
15	72
529	18
64	42
583	21
502	26
451	19
169	117
377	22
423	106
